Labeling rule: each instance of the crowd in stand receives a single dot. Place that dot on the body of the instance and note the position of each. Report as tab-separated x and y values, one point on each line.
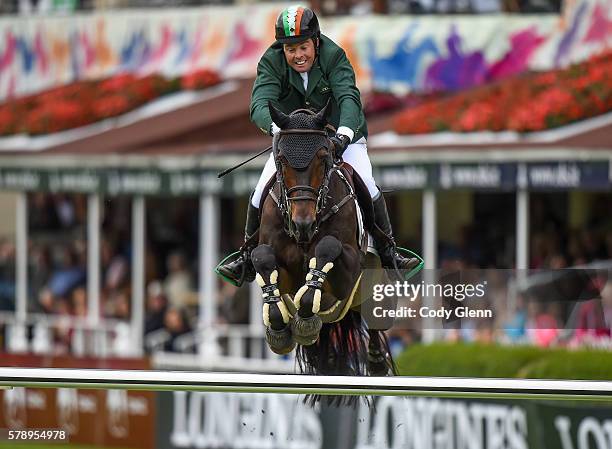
57	274
57	266
338	7
585	318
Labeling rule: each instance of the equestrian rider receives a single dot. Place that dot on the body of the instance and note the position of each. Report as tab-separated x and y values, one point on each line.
304	69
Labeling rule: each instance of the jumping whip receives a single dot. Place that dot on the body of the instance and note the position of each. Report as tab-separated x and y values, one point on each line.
231	169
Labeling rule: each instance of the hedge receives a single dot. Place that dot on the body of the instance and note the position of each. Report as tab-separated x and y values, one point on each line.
478	360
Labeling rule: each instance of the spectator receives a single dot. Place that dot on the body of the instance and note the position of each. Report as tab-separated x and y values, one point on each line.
543	323
7	275
117	304
79	302
69	275
40	270
63	329
176	324
178	285
594	317
156	306
122	305
114	266
514	327
42	215
46	301
65	211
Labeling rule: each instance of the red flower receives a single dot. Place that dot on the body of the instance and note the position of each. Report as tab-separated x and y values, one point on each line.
200	79
54	117
8	123
530	102
84	102
117	83
476	117
110	106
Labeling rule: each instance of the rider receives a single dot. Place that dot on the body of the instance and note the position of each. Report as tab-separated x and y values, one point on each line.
304	69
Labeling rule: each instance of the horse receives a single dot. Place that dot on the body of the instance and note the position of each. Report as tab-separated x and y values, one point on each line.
310	258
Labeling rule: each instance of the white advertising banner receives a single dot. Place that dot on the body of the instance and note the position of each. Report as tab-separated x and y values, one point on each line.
389	53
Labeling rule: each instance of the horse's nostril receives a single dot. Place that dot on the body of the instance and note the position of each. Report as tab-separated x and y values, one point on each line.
304	227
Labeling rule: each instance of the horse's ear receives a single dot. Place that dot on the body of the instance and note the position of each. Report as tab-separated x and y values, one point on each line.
278	117
321	117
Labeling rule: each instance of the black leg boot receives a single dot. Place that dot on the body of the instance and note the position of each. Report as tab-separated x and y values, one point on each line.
384	241
241	269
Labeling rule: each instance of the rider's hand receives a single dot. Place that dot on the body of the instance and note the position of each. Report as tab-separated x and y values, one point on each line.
340	142
273	129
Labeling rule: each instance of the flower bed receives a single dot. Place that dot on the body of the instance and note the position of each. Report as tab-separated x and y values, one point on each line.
532	102
85	102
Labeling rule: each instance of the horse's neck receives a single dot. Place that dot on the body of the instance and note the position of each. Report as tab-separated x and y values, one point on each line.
341	182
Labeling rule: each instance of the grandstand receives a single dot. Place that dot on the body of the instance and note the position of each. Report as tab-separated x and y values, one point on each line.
492	134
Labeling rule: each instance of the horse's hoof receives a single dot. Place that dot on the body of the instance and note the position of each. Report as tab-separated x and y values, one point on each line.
307	341
280	342
306	330
379	364
378	369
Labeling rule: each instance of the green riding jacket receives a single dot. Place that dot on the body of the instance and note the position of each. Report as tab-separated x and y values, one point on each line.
331	76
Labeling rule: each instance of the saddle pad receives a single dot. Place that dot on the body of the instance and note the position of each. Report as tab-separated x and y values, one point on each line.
366	242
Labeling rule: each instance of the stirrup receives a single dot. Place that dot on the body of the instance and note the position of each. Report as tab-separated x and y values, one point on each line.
408	254
244	276
404	275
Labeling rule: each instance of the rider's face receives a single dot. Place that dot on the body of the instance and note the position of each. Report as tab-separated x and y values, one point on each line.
300	57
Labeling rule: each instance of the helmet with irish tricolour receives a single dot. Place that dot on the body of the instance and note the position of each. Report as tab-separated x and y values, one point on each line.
296	24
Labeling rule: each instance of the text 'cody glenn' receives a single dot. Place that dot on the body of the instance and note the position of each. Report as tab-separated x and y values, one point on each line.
412	291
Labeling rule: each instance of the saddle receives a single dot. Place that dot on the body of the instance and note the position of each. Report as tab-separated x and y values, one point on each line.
364	202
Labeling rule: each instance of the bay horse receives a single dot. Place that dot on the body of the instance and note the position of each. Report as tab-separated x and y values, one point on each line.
310	259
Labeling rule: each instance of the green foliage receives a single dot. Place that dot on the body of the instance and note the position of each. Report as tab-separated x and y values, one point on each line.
478	360
582	364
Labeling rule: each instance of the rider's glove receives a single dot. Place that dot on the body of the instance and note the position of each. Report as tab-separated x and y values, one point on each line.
273	129
340	142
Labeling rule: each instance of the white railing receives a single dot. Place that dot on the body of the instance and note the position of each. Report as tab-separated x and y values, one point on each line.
236	347
301	384
105	339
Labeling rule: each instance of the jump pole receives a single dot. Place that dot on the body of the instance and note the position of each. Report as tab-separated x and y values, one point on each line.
302	384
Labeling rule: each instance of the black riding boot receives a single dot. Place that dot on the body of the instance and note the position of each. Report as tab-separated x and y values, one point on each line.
241	269
385	244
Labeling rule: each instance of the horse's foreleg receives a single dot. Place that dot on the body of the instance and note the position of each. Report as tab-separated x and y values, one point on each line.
276	316
307	323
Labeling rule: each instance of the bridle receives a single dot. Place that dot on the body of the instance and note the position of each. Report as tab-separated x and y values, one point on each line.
319	195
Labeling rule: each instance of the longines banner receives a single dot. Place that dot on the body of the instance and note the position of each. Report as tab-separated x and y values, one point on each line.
186	420
258	421
594	175
103	418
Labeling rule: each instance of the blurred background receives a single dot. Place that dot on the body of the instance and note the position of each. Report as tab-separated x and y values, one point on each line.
490	126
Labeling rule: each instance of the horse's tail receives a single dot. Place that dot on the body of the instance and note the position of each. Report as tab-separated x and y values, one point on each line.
343	348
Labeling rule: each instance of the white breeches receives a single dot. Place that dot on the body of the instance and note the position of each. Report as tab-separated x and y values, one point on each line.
356	155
